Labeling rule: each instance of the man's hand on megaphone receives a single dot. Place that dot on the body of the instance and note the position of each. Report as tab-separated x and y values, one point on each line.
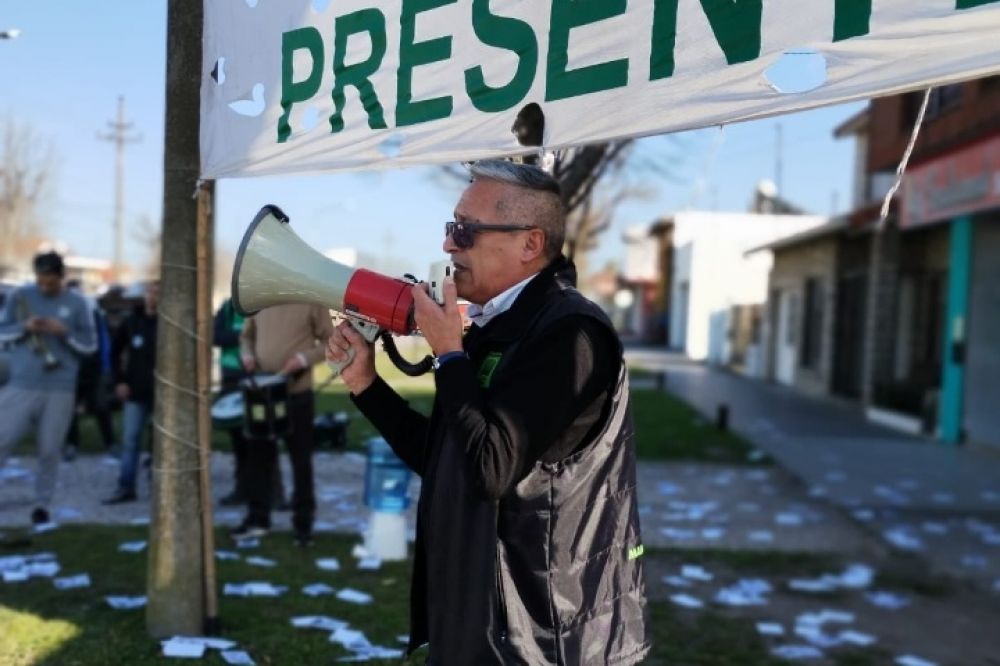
359	373
440	325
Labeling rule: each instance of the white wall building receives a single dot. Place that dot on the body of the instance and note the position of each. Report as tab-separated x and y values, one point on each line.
712	274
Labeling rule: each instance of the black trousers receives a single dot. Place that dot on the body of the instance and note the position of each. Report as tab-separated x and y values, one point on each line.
91	394
231	382
262	461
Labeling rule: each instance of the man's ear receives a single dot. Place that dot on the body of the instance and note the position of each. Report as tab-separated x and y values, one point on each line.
534	245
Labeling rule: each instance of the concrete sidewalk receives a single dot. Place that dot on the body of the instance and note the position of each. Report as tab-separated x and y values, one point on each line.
939	502
832	447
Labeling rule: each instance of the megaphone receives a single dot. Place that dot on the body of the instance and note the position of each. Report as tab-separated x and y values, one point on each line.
275	266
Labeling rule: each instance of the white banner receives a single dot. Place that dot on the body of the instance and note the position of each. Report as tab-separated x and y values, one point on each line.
323	85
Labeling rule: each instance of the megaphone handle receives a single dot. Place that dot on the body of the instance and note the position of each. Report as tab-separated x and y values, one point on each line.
337	366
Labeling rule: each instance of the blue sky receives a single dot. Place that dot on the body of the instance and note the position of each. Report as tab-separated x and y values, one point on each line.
64	74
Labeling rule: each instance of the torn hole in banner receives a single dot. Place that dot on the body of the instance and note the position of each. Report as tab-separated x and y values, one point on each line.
392	146
252	3
309	119
797	71
320	5
254	106
219	71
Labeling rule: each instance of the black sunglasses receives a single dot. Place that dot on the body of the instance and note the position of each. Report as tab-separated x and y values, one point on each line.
463	234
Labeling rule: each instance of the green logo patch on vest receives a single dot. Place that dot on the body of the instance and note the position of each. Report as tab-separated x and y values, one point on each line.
636	552
487	367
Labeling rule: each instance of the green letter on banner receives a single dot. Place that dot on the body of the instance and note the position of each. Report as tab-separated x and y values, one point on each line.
506	33
569	14
371	21
736	24
298	91
852	18
412	54
969	4
661	55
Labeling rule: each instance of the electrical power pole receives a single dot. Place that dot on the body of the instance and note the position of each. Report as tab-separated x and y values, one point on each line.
119	136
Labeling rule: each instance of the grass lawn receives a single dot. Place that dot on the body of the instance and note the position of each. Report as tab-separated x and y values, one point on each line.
40	625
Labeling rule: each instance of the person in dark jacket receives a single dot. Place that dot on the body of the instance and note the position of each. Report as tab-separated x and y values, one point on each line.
528	548
92	384
134	360
227	326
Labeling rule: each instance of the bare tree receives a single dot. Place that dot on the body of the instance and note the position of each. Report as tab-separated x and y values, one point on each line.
27	166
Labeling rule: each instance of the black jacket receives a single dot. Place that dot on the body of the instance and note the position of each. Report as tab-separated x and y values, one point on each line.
527	530
133	355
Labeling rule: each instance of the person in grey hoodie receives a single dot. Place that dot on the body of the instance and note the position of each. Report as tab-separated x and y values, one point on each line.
49	329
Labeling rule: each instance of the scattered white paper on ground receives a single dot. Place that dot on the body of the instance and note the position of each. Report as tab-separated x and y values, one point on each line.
760	536
67	512
864	515
974	561
712	533
45	527
890	600
237	658
788	519
125	602
45	569
910	660
812	585
15	576
935	528
677	581
260	561
141	520
253	589
176	647
695	572
328	564
903	539
770	629
132	547
321	622
857	576
317	589
686	600
370	563
354	596
795	652
352	639
746	592
226	555
248	543
72	582
856	638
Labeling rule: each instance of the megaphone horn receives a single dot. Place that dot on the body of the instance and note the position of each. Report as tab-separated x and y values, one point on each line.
275	266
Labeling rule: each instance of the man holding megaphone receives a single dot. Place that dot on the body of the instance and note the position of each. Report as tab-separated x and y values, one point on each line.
528	547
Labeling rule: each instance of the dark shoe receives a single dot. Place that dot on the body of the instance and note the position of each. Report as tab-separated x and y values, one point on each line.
303	538
39	516
281	504
69	453
234	498
247	530
120	496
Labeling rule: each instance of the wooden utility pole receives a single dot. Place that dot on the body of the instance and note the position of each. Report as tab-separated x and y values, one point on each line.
176	583
119	137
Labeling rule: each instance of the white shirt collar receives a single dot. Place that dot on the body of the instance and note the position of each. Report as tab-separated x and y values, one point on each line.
481	315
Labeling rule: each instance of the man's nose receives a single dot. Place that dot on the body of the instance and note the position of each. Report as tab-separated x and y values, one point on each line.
449	245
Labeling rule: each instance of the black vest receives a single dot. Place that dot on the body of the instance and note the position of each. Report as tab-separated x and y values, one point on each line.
562	550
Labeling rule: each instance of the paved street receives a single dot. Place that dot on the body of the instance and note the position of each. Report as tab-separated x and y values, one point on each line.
940	502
